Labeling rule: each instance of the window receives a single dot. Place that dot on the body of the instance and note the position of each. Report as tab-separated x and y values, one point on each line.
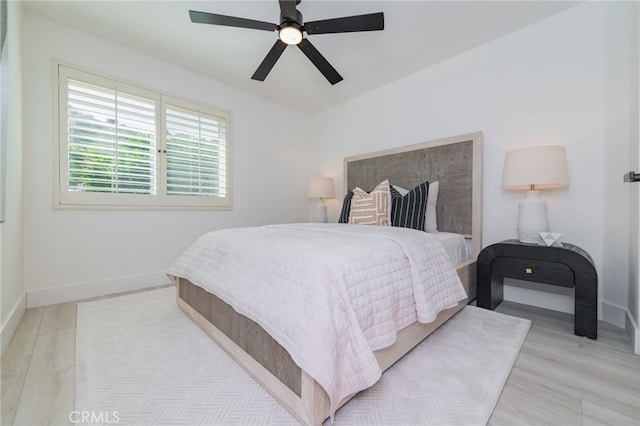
196	152
122	145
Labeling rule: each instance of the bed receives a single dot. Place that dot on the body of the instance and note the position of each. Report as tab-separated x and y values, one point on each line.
456	163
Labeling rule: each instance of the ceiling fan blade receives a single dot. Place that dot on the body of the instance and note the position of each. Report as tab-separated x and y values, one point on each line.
319	61
348	24
269	61
229	21
288	9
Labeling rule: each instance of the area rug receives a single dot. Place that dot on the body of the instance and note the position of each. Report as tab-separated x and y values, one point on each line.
139	360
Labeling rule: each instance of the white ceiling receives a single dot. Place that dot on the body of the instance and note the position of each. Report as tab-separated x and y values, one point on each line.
417	35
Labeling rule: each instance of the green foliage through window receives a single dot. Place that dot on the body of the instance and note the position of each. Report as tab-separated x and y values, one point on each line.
112	141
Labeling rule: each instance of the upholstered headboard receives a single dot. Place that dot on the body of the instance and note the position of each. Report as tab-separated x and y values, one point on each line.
455	162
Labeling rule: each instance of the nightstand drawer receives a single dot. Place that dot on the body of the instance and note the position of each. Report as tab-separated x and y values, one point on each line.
534	270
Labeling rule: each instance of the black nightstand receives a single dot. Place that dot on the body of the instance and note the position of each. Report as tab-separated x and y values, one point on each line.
566	266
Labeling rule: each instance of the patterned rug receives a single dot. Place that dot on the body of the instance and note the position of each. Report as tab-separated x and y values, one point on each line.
139	360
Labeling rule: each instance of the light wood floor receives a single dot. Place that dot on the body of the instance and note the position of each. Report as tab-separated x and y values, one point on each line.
558	378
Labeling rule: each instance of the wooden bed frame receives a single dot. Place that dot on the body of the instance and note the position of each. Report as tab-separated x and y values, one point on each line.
456	163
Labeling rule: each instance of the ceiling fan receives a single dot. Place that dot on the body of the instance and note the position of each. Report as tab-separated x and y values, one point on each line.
290	31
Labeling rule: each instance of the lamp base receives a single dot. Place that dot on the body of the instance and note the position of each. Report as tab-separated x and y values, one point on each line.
320	212
532	218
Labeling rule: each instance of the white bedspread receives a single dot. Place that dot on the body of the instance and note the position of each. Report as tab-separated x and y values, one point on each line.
330	294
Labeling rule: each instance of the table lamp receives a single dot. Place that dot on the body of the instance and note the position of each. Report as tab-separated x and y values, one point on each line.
531	170
321	189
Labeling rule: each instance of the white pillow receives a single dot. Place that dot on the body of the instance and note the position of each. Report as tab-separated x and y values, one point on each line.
401	190
430	222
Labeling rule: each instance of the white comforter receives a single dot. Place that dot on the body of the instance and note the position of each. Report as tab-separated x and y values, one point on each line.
330	294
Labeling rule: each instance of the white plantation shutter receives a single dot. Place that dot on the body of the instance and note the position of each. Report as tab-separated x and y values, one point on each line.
111	140
196	152
121	145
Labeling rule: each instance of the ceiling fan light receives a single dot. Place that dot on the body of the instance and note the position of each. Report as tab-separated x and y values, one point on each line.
290	34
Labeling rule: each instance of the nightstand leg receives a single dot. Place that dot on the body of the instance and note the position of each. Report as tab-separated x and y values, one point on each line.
490	292
586	308
497	291
489	285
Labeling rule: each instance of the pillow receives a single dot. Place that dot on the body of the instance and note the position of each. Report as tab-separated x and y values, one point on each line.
371	208
408	211
430	218
346	207
400	189
430	222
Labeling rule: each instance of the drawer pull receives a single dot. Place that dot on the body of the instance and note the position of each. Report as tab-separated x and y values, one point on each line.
528	270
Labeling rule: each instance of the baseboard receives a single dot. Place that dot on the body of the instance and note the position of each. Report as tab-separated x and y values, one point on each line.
10	325
51	296
613	314
631	327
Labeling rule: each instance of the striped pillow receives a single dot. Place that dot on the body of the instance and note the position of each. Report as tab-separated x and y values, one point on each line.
371	208
408	211
346	207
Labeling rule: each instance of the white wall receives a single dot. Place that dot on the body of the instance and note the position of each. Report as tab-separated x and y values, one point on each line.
545	84
620	120
632	321
71	254
12	291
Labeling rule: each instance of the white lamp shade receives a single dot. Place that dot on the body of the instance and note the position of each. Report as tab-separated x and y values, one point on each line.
540	167
322	188
532	169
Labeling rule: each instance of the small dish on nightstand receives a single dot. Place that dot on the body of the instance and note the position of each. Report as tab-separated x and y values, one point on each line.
551	238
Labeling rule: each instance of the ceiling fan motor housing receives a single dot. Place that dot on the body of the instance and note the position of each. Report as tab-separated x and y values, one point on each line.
284	21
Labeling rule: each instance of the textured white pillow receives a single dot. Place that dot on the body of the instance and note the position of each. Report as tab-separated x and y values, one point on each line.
430	222
371	208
